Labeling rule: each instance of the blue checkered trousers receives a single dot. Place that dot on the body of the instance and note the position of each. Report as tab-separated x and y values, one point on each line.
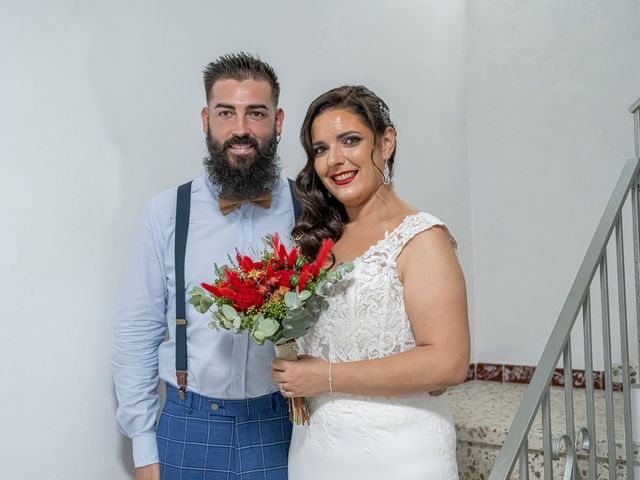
209	439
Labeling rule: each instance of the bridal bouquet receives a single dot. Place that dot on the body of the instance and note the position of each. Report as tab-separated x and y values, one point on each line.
276	298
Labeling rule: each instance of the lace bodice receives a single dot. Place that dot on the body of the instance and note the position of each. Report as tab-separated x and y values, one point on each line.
365	316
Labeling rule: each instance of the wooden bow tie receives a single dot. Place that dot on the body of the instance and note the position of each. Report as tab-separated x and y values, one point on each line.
227	205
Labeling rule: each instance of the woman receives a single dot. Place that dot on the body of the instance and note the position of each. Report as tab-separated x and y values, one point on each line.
394	329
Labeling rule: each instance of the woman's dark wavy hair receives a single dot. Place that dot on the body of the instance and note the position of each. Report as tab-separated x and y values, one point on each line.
321	215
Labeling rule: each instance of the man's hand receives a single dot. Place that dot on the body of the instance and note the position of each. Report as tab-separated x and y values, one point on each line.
148	472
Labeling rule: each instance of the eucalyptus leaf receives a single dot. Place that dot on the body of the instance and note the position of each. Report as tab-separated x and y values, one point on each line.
314	305
304	295
266	327
333	276
321	287
197	291
346	267
205	304
291	300
229	312
296	323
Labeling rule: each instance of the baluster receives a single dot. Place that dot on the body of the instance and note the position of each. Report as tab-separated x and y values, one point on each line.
524	460
547	441
568	391
624	344
608	381
588	361
636	128
636	256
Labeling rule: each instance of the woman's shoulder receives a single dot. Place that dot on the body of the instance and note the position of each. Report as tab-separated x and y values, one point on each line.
421	231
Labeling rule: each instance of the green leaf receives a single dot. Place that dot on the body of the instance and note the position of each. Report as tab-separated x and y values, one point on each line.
205	304
291	300
265	327
229	312
321	287
304	295
197	291
296	323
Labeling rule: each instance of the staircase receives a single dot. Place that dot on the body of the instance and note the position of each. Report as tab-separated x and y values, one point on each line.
539	430
483	412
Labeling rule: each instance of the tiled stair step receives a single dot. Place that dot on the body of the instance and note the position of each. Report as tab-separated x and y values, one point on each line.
484	411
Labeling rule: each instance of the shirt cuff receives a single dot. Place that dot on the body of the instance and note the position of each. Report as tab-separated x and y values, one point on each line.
145	449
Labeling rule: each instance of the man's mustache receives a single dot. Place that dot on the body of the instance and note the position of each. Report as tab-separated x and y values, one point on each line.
244	140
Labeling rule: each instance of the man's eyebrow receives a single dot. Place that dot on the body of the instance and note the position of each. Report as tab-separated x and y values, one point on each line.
253	106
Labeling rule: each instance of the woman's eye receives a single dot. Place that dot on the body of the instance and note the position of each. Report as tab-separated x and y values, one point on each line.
319	150
351	140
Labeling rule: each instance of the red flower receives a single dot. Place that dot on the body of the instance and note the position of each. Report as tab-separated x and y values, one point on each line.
220	290
280	253
323	253
246	264
304	278
247	298
284	277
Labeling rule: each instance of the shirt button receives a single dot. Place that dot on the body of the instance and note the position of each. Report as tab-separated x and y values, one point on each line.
238	377
245	215
215	407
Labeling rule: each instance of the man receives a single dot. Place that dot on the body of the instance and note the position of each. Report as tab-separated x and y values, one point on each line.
223	417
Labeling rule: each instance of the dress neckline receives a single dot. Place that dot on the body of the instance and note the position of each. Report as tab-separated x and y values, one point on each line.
379	242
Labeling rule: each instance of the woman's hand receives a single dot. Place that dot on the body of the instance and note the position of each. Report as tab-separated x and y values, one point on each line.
306	377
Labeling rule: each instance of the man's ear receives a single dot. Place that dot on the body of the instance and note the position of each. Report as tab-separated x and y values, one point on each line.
204	114
279	120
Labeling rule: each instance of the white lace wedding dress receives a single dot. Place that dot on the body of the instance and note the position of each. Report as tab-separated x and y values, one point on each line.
360	437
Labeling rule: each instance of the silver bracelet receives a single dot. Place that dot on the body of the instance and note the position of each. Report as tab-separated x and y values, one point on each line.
330	379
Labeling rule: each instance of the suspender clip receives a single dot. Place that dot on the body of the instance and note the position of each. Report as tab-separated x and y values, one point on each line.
181	377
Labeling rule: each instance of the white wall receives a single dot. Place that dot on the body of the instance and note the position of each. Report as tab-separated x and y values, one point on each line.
549	84
99	109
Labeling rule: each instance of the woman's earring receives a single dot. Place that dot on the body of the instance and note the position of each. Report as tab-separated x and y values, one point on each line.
386	174
328	194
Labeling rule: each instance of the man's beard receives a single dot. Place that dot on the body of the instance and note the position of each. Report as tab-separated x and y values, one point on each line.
245	176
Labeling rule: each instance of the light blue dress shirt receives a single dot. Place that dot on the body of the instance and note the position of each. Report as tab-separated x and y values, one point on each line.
221	364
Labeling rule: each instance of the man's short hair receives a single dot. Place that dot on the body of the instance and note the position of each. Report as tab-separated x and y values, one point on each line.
240	66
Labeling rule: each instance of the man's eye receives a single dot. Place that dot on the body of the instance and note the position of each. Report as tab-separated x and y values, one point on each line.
225	113
257	114
351	140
